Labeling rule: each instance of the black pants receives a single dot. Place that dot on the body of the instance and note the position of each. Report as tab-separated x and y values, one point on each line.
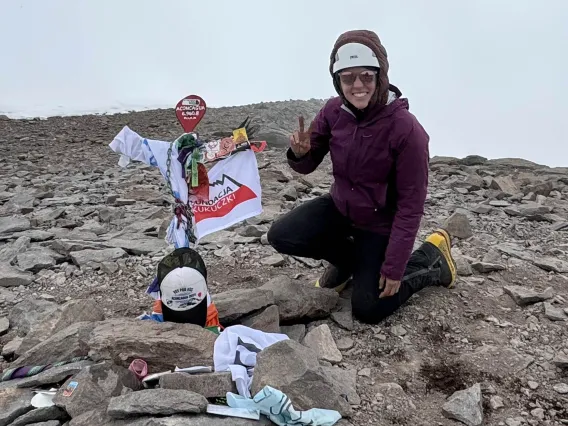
317	230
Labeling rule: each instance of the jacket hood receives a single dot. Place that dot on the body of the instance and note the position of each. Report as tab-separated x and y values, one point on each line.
372	41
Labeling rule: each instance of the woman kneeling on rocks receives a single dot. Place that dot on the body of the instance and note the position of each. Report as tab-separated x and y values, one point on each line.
366	227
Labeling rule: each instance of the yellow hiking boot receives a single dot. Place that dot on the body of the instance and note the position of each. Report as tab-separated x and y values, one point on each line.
442	241
333	278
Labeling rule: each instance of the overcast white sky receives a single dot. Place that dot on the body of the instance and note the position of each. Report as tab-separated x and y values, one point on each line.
485	77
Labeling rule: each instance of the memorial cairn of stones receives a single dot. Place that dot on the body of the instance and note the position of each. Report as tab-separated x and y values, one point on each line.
80	239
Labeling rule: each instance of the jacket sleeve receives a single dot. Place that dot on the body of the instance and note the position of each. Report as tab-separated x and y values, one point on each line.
412	168
319	141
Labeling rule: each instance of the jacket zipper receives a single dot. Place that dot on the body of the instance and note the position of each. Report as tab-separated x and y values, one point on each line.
347	162
348	158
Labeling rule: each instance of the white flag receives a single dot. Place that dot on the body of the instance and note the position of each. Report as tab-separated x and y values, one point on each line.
234	185
234	194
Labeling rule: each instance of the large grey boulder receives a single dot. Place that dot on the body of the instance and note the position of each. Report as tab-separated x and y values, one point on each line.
82	310
295	370
235	304
297	301
162	345
93	387
64	345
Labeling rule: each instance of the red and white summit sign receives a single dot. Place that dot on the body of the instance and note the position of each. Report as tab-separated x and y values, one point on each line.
189	112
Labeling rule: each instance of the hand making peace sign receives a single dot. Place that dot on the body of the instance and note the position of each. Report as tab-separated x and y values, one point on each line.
300	140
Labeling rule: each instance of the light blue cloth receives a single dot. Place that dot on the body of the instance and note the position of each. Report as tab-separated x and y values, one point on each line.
277	407
151	317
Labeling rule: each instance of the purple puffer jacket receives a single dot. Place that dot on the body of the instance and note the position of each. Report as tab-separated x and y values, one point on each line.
380	165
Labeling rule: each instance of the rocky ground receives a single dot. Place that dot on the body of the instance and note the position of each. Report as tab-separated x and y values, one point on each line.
80	239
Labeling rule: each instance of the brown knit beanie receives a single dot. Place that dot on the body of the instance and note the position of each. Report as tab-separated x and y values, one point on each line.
372	41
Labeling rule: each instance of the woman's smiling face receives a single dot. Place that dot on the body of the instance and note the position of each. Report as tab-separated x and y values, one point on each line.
358	85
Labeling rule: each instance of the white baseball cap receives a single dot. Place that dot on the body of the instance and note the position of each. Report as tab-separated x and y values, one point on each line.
183	292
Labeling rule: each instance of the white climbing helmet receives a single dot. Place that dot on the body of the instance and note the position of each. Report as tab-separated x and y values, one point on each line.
354	55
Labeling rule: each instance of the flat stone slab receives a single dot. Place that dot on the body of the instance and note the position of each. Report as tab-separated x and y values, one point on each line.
235	304
53	375
210	385
497	361
525	296
156	402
